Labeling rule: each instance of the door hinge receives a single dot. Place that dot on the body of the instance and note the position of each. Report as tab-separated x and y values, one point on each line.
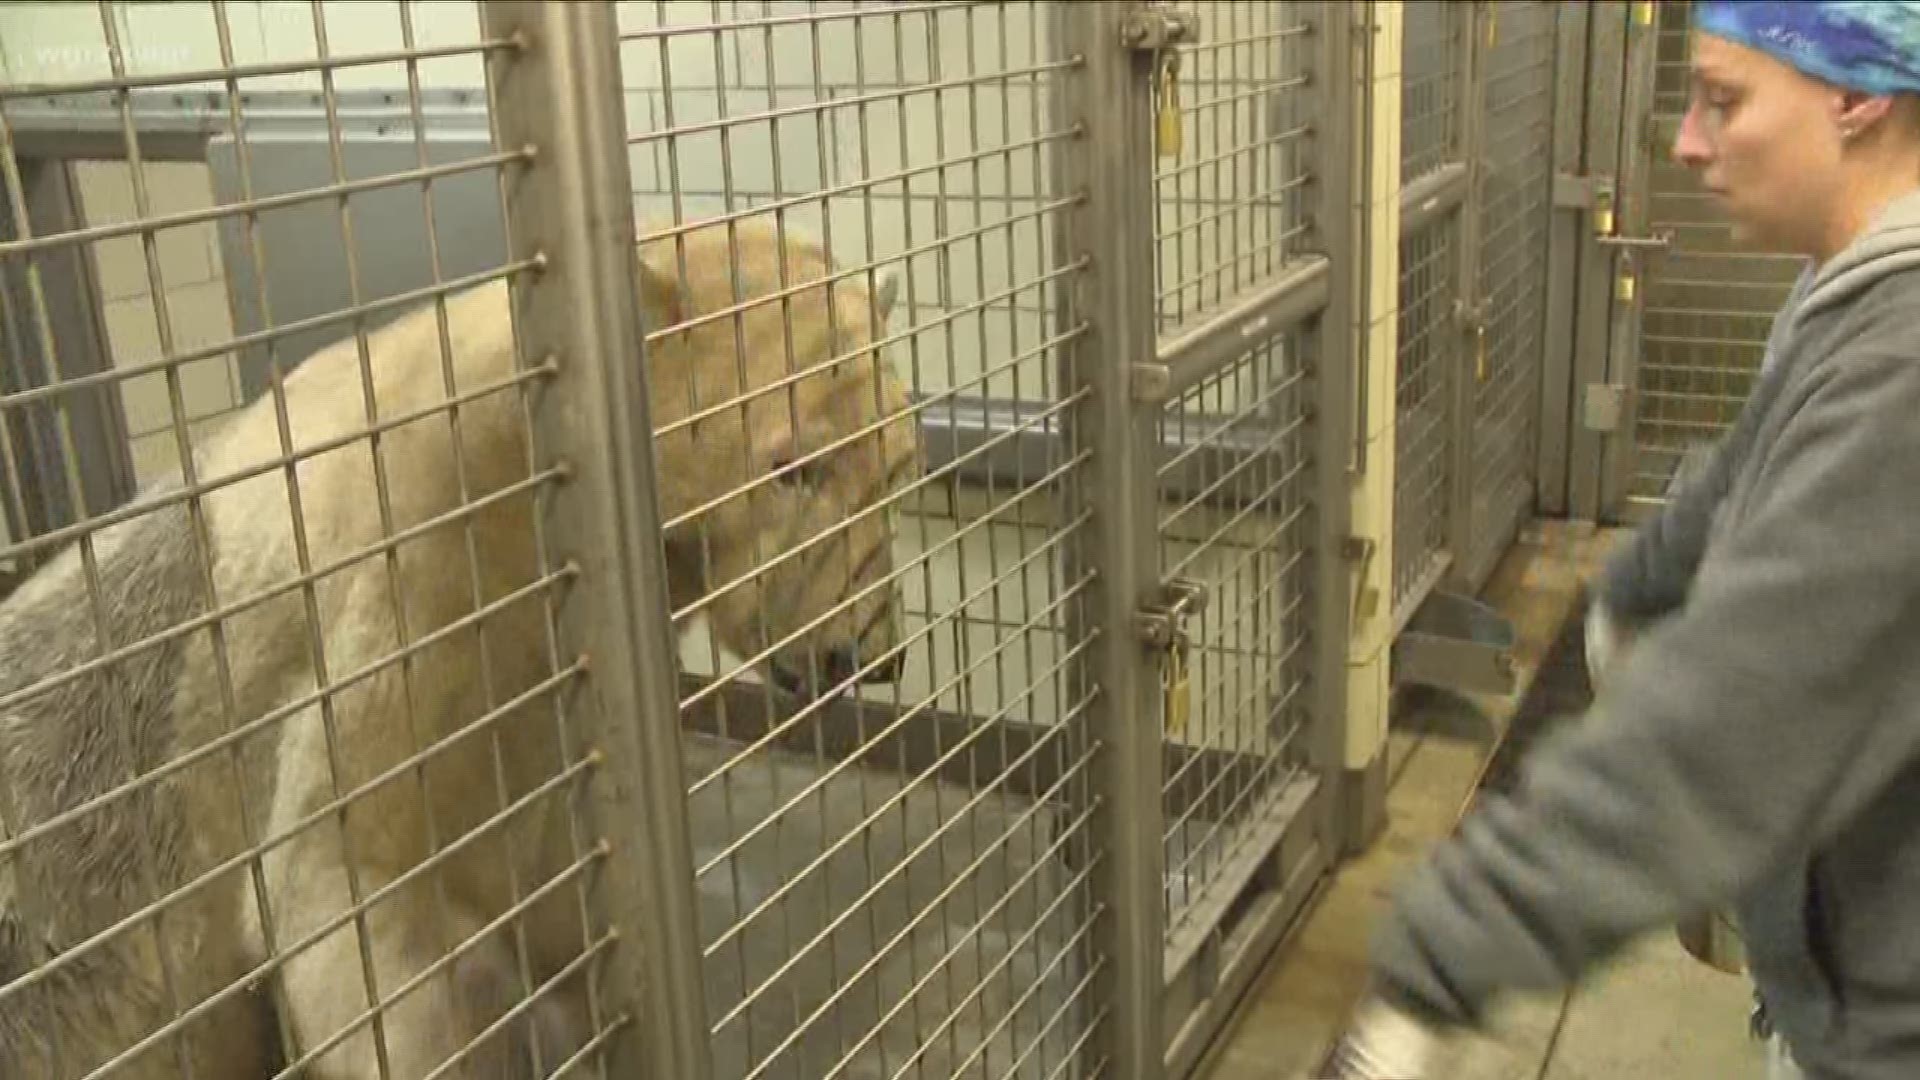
1603	407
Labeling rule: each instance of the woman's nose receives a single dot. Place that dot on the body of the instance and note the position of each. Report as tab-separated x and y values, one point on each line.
1690	146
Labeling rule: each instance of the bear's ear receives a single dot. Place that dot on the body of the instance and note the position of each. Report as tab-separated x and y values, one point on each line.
662	299
886	290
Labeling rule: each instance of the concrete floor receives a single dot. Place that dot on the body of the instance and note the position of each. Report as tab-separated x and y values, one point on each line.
1654	1012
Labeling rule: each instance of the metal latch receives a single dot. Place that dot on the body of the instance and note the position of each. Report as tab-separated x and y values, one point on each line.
1572	191
1604	407
1155	29
1660	240
1164	626
1472	319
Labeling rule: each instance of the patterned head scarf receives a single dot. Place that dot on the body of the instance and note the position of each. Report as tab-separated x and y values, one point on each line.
1869	46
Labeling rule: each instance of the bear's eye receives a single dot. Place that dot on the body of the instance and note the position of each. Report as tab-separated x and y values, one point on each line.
806	474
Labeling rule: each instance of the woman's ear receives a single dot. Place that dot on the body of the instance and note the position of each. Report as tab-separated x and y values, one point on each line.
1856	112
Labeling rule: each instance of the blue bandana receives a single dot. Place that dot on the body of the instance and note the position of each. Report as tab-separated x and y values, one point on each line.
1870	46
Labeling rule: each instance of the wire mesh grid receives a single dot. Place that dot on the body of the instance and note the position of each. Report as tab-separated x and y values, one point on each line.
1236	488
1423	442
1709	304
291	768
1431	56
1517	108
890	861
1230	210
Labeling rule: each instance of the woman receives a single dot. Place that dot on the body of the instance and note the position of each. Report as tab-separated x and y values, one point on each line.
1759	747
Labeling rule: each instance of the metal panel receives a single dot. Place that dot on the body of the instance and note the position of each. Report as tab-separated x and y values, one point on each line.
325	680
1437	180
1428	348
1433	52
897	866
1515	204
1229	215
1244	281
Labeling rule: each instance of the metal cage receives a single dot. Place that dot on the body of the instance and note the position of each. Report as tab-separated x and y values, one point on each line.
1709	303
738	540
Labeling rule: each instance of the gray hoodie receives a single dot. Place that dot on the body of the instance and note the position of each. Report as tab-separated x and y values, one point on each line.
1648	579
1759	748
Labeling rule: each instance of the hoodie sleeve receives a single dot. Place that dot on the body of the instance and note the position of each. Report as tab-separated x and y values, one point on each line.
1650	576
1772	707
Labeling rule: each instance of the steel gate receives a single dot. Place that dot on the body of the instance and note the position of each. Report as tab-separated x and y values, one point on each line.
1708	304
758	707
1479	113
1664	318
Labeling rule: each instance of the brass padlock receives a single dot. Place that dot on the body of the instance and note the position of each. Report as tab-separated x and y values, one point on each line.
1603	213
1170	132
1176	686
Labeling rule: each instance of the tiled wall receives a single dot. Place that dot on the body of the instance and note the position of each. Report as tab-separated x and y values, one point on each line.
975	80
196	310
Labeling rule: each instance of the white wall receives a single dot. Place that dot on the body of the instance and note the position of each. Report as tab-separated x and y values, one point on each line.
1221	229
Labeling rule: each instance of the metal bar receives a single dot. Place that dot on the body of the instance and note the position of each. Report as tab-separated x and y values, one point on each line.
491	48
172	125
1432	197
1332	351
1359	125
1573	190
1634	199
1110	97
1460	373
1182	362
561	92
1593	316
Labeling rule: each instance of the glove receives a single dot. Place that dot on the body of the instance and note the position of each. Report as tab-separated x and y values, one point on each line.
1382	1043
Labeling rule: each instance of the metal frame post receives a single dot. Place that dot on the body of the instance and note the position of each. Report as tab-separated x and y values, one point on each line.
1336	219
1566	243
561	94
1109	167
1619	450
1467	313
1595	302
